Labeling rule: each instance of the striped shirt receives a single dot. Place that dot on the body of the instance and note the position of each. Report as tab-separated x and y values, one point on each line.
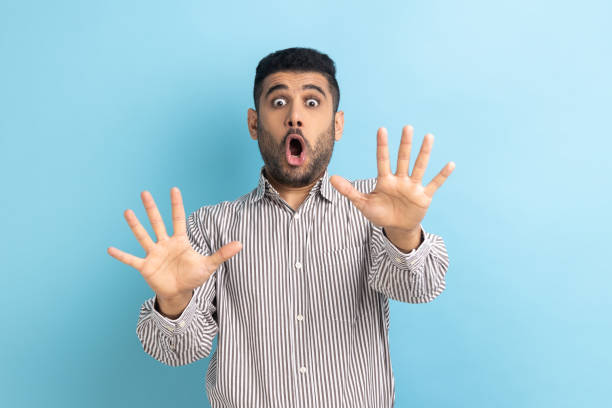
302	311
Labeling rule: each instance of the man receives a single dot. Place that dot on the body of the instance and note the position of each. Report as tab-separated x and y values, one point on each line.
294	276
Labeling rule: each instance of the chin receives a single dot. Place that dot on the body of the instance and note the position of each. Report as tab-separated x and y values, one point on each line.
295	176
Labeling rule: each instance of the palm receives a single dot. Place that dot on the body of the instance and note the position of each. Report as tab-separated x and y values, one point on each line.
172	267
398	201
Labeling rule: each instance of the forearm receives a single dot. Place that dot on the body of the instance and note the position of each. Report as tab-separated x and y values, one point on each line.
182	339
414	277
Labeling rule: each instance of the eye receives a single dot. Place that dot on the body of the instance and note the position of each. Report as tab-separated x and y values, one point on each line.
312	102
276	104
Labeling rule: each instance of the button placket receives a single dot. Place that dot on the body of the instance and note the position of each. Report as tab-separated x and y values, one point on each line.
298	242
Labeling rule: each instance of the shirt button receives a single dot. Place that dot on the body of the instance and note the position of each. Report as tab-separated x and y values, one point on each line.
298	265
398	259
182	324
302	370
296	216
300	317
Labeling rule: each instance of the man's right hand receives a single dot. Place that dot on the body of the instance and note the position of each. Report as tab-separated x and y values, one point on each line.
172	268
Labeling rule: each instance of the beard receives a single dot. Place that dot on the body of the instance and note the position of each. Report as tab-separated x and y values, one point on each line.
273	155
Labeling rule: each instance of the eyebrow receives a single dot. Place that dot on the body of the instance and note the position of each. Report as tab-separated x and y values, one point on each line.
307	86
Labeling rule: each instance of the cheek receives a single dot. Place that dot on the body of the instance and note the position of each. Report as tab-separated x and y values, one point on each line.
272	139
273	123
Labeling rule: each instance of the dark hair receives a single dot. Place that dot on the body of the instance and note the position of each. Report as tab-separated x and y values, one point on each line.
297	59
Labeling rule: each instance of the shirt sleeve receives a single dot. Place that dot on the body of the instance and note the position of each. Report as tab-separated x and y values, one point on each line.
418	276
189	337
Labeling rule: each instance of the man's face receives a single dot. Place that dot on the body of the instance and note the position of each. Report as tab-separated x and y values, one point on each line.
295	126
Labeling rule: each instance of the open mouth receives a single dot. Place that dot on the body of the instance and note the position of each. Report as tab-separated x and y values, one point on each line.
295	150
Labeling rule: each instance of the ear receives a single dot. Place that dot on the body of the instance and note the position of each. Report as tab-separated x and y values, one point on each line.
252	123
339	124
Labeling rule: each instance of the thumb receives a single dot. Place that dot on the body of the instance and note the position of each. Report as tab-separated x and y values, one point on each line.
224	253
345	188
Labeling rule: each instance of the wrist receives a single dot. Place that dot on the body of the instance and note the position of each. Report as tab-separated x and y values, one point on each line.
404	240
173	307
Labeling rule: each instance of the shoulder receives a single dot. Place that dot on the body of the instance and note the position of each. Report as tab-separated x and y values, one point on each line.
212	215
217	212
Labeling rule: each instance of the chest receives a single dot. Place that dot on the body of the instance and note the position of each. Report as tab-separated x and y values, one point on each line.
315	263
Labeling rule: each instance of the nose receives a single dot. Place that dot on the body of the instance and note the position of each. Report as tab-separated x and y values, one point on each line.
294	118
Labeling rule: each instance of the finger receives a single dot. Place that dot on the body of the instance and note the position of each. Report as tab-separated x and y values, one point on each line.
345	188
423	158
223	254
382	153
139	232
154	217
178	211
440	178
403	155
126	258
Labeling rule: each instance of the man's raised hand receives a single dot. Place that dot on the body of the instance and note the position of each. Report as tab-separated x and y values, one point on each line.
172	268
399	201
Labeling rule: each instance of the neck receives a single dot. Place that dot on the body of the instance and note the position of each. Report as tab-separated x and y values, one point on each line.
294	196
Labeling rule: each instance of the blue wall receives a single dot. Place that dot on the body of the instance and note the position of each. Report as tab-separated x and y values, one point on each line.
101	100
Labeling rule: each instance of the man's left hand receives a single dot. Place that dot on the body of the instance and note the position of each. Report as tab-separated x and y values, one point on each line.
399	202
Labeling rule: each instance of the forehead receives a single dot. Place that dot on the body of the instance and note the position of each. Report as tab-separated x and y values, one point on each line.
295	80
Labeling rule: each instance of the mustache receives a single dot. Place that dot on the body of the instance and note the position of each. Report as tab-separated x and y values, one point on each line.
296	131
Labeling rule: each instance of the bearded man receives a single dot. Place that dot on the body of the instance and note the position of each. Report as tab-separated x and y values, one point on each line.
295	276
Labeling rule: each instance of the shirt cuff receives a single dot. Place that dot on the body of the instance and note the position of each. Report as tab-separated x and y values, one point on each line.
174	326
413	260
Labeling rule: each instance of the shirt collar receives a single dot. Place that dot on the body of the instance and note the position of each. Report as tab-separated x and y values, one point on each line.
323	186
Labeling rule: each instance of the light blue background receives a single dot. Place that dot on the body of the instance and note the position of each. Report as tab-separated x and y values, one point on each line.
101	100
